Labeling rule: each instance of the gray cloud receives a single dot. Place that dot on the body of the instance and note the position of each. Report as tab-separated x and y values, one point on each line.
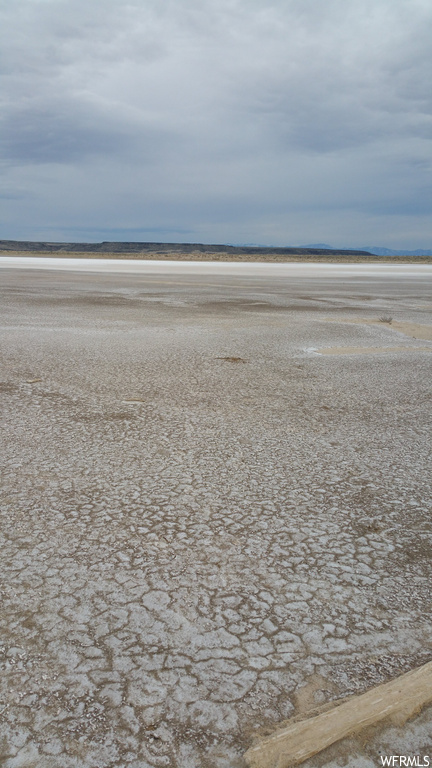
238	120
55	136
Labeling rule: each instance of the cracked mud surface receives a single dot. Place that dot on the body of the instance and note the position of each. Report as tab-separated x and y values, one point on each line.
194	549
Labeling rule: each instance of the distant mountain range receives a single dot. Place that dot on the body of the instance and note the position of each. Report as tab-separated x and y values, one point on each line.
376	250
169	248
235	250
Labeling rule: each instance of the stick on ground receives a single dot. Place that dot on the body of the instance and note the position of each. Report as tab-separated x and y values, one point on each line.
396	701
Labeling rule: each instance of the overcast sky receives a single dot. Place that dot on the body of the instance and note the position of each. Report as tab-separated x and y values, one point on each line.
244	121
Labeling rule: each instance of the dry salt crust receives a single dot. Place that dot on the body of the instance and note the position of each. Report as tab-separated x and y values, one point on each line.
196	547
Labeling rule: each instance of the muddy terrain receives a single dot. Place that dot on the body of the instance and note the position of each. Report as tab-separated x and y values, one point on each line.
216	506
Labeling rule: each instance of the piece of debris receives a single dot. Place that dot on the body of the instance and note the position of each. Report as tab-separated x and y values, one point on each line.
232	359
298	740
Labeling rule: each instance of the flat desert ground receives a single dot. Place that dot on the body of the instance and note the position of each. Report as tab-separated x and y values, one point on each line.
216	506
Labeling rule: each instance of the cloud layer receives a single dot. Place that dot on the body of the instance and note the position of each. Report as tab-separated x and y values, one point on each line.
217	120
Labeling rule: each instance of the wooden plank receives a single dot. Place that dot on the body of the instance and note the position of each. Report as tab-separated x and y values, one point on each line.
301	739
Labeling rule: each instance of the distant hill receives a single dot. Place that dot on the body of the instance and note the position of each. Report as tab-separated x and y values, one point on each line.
180	248
376	250
318	252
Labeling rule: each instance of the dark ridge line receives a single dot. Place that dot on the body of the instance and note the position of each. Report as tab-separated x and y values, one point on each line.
135	247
